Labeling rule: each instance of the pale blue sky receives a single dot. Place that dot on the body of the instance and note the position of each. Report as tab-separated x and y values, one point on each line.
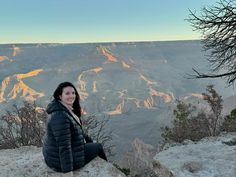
81	21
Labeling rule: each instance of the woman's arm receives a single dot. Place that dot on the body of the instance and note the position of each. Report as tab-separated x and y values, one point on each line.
61	130
87	138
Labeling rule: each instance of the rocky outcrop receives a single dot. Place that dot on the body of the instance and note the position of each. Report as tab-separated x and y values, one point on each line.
140	161
210	157
28	161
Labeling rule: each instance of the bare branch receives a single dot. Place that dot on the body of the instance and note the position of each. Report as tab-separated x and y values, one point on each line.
22	126
202	75
217	25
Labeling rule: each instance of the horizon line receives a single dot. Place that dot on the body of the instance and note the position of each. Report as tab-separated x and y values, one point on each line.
139	41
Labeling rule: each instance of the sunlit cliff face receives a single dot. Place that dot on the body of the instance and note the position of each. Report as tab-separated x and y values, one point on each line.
5	58
89	82
94	87
17	87
125	65
2	58
101	82
82	82
16	51
29	74
109	56
197	95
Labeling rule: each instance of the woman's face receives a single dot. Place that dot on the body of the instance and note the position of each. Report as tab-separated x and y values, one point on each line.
68	95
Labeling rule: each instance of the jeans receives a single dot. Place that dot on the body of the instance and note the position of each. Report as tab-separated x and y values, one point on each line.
92	150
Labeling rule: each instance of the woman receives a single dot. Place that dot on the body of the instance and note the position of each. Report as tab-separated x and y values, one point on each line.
65	146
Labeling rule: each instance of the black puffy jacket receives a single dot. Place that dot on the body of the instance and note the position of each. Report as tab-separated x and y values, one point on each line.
63	144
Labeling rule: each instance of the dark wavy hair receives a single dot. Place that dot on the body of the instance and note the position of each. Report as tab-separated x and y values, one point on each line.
58	92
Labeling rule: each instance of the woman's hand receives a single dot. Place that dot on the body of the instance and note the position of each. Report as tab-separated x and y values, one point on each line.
88	139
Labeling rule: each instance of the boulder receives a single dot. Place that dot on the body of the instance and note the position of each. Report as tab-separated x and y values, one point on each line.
140	161
210	157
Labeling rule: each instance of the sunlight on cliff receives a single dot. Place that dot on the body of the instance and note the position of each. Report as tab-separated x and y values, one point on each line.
94	87
149	103
83	111
197	95
19	87
104	51
2	58
16	51
165	96
82	83
5	82
149	82
83	95
97	70
125	65
29	74
118	109
27	92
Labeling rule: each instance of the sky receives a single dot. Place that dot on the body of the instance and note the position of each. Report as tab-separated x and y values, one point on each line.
88	21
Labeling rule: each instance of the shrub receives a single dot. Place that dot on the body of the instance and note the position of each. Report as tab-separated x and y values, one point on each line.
191	123
229	124
215	101
95	128
188	124
26	125
22	126
126	171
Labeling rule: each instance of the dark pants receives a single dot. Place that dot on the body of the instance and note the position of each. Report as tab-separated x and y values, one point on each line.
93	150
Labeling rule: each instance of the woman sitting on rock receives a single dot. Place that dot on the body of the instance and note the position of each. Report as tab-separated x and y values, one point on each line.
66	147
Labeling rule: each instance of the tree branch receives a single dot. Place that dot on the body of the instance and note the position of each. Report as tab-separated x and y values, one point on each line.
198	75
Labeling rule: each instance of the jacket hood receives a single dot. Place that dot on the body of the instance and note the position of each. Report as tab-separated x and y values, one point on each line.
55	106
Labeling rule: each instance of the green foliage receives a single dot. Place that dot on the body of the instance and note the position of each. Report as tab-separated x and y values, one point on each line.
194	124
179	130
186	124
229	124
126	171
